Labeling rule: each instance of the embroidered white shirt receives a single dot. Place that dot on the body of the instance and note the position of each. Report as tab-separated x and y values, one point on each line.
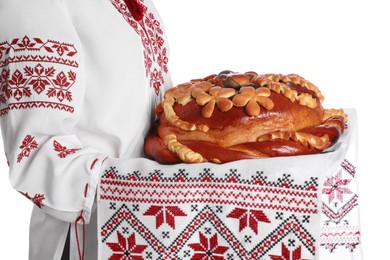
79	83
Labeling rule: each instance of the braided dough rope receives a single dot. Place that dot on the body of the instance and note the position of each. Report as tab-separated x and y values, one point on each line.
272	81
181	94
242	90
184	153
296	79
306	139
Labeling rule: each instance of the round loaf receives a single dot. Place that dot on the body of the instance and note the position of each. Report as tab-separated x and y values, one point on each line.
231	116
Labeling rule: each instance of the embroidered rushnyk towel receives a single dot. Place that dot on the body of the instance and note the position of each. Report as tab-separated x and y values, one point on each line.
340	227
288	208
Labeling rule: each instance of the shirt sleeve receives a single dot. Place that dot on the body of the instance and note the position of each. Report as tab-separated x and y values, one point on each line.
41	100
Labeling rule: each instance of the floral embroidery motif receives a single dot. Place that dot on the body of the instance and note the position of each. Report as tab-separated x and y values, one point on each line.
16	86
126	248
28	144
249	218
288	255
155	50
165	214
208	248
39	77
340	229
45	84
156	80
337	186
37	199
212	214
63	151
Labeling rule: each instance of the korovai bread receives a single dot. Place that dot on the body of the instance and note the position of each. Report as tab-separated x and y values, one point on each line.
231	116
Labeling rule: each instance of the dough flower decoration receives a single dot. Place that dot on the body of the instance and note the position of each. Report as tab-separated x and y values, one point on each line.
231	116
201	88
252	98
217	96
183	93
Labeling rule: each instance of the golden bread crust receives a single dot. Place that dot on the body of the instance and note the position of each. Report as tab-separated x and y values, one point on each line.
243	112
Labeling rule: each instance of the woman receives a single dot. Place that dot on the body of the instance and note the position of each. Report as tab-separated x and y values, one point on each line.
79	83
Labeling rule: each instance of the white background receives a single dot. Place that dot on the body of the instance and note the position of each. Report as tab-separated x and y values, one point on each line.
341	46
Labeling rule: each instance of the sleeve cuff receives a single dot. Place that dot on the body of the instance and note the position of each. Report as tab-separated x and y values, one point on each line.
91	186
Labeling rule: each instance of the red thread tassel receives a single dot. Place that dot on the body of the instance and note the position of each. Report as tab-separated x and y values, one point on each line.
136	9
80	251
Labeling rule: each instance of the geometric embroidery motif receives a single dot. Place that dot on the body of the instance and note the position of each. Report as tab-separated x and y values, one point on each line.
335	185
36	44
207	215
126	248
38	79
43	81
287	255
232	211
155	50
339	206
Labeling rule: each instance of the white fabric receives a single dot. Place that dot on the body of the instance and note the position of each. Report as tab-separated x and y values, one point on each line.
340	225
78	85
254	209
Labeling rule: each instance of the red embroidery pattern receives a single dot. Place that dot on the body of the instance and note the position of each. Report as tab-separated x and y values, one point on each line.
339	206
28	144
349	167
337	186
287	227
39	58
208	248
288	255
36	104
342	212
126	248
44	83
155	51
165	214
37	199
249	218
332	236
63	151
19	85
37	44
259	197
210	217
